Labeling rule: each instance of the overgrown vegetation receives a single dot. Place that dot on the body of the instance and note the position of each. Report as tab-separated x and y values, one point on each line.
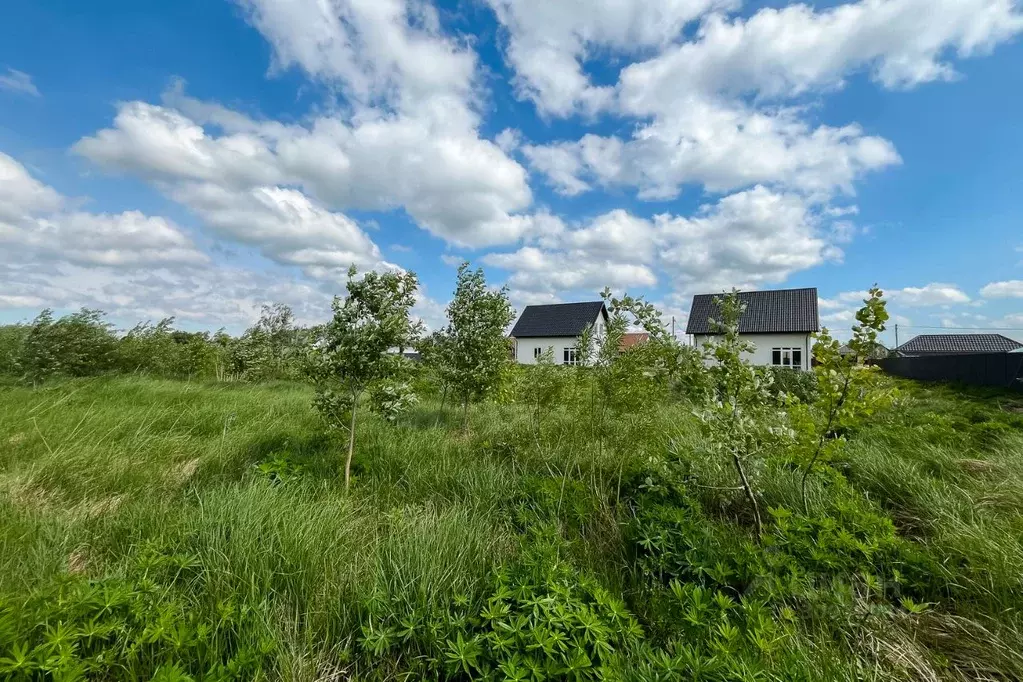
85	344
639	517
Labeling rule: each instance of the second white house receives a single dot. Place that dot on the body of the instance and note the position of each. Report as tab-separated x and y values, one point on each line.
778	323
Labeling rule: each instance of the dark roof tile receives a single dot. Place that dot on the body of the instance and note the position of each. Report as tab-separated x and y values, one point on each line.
780	311
558	319
953	344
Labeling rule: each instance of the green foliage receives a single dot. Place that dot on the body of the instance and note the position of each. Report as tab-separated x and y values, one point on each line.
160	350
538	546
355	349
140	628
12	338
76	345
540	621
623	384
273	348
742	422
850	393
802	386
684	369
391	399
475	348
542	386
436	353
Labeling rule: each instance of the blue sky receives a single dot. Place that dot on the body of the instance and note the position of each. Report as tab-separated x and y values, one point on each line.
200	158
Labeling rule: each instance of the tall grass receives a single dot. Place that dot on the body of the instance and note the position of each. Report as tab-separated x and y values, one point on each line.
226	500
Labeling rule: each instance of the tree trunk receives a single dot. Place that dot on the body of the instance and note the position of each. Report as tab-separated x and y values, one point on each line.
465	413
820	442
749	492
351	444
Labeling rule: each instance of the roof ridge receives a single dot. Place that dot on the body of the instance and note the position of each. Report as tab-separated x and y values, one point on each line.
758	291
551	305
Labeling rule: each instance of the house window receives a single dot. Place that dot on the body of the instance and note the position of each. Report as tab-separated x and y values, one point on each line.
787	357
537	352
571	356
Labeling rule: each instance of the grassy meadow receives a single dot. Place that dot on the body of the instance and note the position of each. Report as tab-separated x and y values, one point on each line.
172	530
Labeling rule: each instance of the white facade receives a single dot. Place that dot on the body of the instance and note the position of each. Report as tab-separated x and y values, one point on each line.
526	347
767	345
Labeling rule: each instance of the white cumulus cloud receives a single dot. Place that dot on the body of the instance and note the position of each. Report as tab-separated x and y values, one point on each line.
1008	289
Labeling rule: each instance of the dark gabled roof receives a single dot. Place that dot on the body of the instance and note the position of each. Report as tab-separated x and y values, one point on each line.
779	312
955	344
559	319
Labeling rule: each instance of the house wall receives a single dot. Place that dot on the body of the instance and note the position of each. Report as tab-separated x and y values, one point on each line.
765	343
524	347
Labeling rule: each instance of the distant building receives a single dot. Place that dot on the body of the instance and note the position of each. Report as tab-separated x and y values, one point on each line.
778	323
957	344
878	352
633	339
558	327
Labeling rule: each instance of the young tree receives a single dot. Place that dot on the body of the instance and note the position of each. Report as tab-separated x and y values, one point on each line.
620	379
356	348
435	351
477	318
849	389
742	420
270	349
542	386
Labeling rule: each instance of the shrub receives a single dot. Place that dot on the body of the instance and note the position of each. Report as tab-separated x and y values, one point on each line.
541	620
12	338
76	345
800	385
117	628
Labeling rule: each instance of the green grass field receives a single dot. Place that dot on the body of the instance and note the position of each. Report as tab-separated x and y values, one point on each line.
166	530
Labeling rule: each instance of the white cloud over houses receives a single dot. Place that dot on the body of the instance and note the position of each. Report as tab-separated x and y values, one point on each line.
774	53
452	183
722	147
748	239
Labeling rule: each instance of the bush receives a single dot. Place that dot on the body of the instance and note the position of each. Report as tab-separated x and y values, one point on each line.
542	621
12	338
118	628
801	385
76	345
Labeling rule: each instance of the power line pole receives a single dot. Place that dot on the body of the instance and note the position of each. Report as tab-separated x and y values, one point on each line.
896	334
673	326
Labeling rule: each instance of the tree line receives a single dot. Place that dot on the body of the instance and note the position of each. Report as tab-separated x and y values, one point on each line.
85	343
357	359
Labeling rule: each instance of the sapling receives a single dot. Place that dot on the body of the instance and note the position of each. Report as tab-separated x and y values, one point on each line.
742	418
849	390
477	319
356	349
543	387
436	354
618	378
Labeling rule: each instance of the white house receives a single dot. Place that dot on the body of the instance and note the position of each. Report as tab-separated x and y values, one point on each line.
778	323
557	326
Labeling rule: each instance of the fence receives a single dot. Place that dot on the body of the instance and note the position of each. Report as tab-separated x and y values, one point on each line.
979	369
